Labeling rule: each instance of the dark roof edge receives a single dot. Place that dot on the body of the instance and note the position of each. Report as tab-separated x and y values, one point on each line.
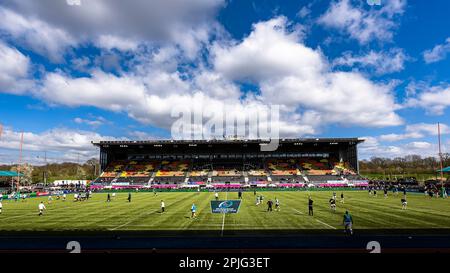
223	141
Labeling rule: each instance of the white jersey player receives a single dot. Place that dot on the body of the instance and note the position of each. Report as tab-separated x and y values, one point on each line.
41	208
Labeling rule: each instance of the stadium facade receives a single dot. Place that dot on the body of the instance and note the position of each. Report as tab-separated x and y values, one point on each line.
227	163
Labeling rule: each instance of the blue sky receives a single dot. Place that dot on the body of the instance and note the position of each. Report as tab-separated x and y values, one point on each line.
76	71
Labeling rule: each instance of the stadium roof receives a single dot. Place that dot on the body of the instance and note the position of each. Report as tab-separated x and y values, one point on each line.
9	174
229	141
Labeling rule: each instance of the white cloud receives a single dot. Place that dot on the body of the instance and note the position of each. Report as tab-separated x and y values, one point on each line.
110	42
287	73
361	23
14	70
398	137
139	135
419	145
81	63
148	105
343	98
93	122
271	50
293	75
39	36
215	85
428	128
418	130
376	146
438	53
101	90
304	12
379	62
64	144
49	27
273	57
373	148
434	99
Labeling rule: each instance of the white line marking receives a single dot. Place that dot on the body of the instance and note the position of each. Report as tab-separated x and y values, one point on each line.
18	216
223	219
140	216
298	211
317	220
134	219
223	224
325	224
177	227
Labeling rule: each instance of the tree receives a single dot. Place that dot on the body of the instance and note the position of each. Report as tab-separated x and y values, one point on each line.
26	171
412	165
95	163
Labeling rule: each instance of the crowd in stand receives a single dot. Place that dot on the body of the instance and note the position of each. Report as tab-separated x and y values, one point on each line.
411	184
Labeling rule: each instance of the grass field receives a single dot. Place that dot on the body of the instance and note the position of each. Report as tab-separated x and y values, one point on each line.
143	213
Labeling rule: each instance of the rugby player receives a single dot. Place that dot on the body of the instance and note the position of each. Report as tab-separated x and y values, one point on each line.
41	208
277	204
269	205
310	207
193	211
333	204
348	223
404	203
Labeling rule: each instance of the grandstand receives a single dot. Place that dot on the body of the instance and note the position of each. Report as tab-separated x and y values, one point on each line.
228	163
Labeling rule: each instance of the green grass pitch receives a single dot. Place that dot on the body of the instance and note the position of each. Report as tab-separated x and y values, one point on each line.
143	213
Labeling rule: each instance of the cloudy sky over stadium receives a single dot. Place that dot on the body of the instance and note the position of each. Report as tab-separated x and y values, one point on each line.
72	71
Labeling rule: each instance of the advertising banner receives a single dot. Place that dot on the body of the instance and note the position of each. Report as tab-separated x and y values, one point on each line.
225	206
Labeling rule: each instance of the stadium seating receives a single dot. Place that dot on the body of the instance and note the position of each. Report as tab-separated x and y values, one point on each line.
279	172
256	169
226	172
319	166
227	168
287	178
173	168
343	168
225	179
104	180
133	172
257	172
199	171
198	179
108	174
354	177
286	167
133	180
132	168
168	180
320	170
324	178
116	166
257	179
